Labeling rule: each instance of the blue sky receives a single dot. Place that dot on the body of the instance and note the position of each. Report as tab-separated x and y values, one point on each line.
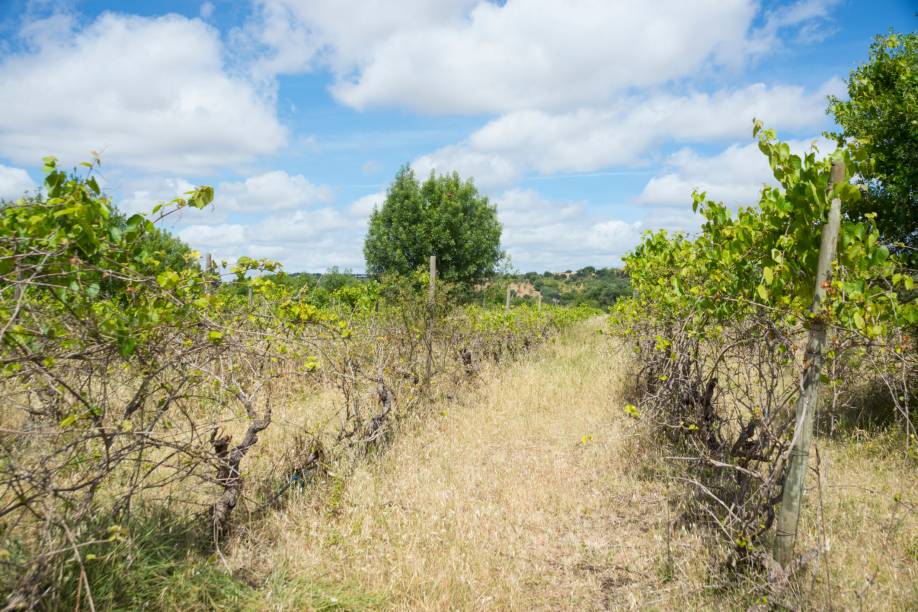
586	122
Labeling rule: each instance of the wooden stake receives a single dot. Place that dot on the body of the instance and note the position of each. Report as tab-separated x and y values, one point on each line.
814	357
428	341
18	290
540	302
208	267
507	303
433	279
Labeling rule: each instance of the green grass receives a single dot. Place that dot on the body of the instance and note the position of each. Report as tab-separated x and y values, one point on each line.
167	564
160	564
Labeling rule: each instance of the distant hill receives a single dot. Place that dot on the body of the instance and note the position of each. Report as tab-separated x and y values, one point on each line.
598	287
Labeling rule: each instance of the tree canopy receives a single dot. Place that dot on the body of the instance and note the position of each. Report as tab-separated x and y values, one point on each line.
881	119
445	216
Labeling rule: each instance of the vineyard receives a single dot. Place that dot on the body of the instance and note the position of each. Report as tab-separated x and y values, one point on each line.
135	390
150	402
728	422
770	318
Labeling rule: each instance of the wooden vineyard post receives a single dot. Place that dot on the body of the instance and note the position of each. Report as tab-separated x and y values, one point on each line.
208	266
431	303
432	297
814	357
19	288
540	303
507	302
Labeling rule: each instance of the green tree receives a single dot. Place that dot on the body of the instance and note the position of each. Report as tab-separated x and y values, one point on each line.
445	216
335	278
171	252
880	118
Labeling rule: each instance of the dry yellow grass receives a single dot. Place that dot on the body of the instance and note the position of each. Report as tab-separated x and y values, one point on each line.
528	493
513	497
870	503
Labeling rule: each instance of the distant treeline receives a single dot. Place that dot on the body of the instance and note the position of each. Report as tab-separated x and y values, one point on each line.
590	286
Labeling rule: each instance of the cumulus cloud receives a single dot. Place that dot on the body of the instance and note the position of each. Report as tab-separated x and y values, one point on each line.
301	226
488	169
215	238
811	20
14	183
140	196
258	197
307	239
590	139
363	206
468	56
471	57
545	54
149	93
548	235
291	36
274	190
734	176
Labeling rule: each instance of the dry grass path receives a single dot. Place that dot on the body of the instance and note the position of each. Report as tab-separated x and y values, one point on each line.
519	496
532	491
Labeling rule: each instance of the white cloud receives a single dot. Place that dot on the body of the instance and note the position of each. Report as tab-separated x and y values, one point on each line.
589	139
298	35
264	193
810	18
274	190
468	56
547	235
300	226
313	239
487	169
207	10
363	206
214	238
37	33
546	54
150	93
734	176
539	232
14	183
142	195
674	220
